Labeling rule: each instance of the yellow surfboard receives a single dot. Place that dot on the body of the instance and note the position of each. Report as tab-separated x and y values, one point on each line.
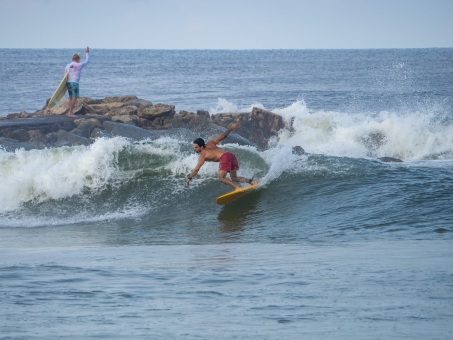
59	92
235	194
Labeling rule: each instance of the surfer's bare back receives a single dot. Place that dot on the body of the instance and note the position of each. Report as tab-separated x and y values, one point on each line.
210	152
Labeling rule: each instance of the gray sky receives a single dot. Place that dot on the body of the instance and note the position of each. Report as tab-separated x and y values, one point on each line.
226	24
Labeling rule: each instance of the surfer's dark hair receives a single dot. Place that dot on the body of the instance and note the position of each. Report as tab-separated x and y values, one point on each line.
199	142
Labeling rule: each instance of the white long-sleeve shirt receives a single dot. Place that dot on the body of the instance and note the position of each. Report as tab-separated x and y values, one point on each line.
74	69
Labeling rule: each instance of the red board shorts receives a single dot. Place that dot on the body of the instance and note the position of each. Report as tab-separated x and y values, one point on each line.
228	162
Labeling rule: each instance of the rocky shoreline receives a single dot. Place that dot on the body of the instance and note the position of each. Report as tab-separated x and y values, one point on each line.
138	119
130	117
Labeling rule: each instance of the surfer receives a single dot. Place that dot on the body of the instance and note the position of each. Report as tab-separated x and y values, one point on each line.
74	69
228	163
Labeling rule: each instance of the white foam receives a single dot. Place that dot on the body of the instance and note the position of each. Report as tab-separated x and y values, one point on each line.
279	160
225	106
404	135
40	175
33	221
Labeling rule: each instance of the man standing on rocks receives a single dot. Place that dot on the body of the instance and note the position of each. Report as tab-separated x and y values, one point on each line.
74	69
212	153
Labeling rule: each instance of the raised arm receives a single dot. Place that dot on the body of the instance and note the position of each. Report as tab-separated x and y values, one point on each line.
87	58
222	136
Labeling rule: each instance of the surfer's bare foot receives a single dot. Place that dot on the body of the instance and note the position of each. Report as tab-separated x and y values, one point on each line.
252	182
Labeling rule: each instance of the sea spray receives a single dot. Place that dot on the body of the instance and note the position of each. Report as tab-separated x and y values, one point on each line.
225	106
406	135
40	175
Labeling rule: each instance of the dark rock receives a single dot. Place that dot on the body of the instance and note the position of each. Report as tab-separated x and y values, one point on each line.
121	99
12	145
134	118
68	138
260	126
84	109
126	119
298	150
390	159
86	126
22	114
129	131
52	138
37	134
127	110
156	111
38	139
138	103
225	119
203	113
20	135
45	124
190	120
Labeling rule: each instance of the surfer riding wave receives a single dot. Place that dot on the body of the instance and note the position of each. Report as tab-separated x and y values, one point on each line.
228	163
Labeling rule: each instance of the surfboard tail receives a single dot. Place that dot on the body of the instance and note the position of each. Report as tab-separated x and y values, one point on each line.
235	194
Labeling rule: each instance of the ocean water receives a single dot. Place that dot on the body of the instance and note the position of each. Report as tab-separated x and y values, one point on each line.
105	241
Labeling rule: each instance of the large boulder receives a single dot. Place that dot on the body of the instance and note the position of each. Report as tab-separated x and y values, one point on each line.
128	131
11	145
158	116
258	126
69	138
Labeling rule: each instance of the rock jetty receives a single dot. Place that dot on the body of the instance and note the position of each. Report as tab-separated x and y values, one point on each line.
130	117
139	119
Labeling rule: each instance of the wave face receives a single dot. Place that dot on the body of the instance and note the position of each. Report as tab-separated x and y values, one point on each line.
122	182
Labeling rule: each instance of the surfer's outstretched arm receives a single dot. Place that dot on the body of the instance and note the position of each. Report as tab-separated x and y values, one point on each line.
222	136
200	163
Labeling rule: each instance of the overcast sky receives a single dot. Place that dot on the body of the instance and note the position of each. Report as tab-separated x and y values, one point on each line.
226	24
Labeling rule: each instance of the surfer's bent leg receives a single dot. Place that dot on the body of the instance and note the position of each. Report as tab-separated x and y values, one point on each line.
224	180
229	163
236	178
